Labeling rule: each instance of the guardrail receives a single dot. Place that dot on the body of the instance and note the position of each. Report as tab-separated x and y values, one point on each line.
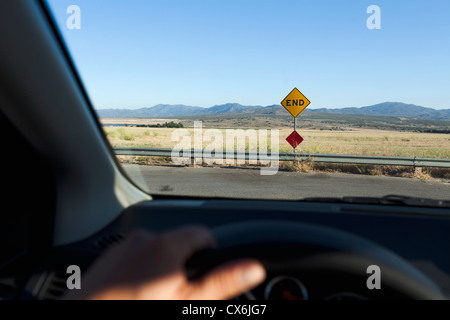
289	156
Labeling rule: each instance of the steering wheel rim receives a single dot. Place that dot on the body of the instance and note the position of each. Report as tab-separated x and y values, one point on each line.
276	244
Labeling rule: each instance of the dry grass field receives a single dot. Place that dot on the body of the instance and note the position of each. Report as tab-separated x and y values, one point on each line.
361	142
133	121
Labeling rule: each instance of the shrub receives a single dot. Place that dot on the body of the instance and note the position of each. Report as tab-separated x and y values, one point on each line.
127	137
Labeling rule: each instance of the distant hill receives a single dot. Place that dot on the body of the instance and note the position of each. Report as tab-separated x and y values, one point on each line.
166	110
158	111
230	107
391	109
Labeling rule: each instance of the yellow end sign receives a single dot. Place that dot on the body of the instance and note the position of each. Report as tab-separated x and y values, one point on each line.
295	102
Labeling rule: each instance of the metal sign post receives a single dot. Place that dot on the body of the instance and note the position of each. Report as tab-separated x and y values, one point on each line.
295	129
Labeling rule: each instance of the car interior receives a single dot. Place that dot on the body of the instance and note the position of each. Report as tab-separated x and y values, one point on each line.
66	199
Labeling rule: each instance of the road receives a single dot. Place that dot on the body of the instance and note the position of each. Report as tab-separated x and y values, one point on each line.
248	183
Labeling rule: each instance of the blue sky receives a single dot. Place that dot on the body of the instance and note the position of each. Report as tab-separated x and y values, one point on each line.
138	53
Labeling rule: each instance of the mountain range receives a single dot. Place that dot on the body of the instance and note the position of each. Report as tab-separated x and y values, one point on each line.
393	109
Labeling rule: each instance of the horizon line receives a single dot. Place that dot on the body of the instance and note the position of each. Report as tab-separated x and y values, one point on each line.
262	106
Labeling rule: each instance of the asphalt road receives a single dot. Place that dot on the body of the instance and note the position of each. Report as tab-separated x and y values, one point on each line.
248	183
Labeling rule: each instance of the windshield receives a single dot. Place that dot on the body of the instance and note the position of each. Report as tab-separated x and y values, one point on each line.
269	99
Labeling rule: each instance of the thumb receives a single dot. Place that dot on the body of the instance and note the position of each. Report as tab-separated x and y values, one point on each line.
229	280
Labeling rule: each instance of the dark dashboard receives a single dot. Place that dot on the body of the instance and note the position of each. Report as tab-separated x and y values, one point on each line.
298	269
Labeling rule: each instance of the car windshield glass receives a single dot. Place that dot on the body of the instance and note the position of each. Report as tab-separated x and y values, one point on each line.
269	99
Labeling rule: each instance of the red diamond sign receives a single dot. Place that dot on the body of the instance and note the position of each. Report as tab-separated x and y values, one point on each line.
294	139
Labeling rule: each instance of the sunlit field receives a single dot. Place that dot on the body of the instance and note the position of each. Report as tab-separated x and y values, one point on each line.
359	142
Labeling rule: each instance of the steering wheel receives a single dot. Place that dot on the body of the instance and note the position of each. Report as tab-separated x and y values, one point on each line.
299	250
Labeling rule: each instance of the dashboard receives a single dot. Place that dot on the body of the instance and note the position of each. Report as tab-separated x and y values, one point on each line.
417	237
